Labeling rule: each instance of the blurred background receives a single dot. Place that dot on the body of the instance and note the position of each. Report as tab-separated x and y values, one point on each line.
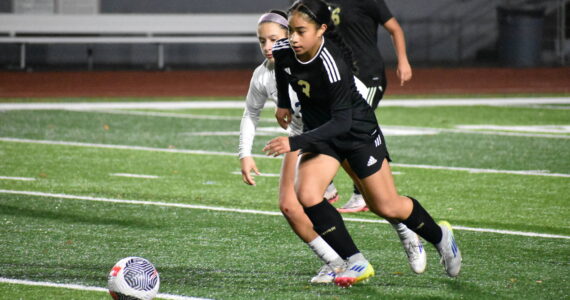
439	33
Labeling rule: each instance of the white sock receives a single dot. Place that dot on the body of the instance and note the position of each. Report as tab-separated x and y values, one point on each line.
324	251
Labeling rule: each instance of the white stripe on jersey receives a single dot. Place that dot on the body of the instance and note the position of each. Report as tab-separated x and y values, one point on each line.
280	47
332	69
371	94
281	44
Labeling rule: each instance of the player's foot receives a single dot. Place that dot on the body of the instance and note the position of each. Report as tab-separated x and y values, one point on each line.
448	250
331	194
325	275
356	203
415	252
358	269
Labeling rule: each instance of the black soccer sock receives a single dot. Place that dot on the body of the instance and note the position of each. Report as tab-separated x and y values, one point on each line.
423	224
328	223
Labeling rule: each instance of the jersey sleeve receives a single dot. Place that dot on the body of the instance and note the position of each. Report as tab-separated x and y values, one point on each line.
339	80
281	49
379	11
255	100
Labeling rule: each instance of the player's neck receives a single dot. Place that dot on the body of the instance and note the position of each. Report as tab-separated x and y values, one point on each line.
311	53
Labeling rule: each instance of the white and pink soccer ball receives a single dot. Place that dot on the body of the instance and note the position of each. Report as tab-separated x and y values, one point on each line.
133	278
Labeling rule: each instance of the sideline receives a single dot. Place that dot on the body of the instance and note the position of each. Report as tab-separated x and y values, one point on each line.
257	212
240	104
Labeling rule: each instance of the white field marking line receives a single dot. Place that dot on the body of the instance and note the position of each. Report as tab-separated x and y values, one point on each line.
84	288
262	174
395	129
170	115
204	152
256	212
430	130
241	104
527	128
134	175
223	133
475	171
279	175
17	178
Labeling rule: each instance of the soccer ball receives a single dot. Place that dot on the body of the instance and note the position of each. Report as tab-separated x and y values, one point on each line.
133	278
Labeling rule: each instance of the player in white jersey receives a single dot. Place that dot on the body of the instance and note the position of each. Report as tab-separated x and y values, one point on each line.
272	27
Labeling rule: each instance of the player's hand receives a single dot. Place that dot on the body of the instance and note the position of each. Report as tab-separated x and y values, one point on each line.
283	116
247	165
277	146
404	72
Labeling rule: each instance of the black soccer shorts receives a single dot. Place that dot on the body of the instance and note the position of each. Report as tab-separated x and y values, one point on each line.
364	160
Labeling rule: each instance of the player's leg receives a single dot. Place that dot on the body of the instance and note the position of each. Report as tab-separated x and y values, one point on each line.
410	241
375	93
293	212
314	173
383	199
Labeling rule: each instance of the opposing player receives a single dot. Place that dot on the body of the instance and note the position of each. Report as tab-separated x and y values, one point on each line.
273	26
358	22
340	128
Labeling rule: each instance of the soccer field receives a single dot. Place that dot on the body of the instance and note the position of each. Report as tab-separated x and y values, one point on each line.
83	186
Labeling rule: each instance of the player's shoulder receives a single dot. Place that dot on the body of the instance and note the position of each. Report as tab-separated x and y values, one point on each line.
281	47
332	60
261	75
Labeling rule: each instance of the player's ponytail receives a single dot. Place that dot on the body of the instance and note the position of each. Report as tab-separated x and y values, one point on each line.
320	12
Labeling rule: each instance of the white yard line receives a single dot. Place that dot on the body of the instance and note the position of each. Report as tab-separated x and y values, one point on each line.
134	175
84	288
261	174
204	152
256	212
17	178
170	115
240	104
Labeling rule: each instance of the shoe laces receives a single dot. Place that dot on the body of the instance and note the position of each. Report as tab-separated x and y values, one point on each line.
413	249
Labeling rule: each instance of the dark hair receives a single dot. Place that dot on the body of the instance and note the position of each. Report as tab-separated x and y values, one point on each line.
319	12
279	12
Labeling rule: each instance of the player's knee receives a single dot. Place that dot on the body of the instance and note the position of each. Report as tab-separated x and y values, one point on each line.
308	197
387	209
290	209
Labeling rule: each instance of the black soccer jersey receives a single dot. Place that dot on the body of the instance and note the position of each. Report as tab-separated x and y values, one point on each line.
332	108
358	22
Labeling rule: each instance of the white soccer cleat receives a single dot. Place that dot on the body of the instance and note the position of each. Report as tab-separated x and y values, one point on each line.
448	250
331	194
325	275
356	203
358	269
415	252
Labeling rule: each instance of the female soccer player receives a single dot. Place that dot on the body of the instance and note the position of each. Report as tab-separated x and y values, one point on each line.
340	129
358	23
273	26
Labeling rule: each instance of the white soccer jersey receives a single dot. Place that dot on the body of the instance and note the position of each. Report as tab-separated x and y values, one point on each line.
262	88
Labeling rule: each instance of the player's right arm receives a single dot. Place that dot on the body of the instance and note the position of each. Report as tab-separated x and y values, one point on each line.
255	100
283	112
382	15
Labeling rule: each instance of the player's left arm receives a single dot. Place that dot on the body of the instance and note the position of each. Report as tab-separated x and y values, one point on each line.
404	70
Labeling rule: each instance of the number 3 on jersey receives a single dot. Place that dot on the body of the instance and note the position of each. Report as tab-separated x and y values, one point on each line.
306	87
